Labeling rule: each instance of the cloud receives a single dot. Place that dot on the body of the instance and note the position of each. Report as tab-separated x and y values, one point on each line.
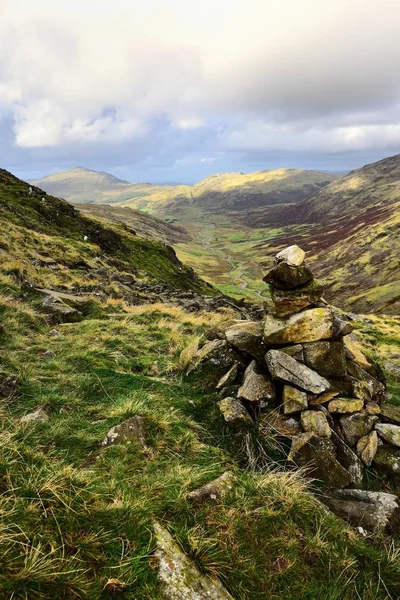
169	82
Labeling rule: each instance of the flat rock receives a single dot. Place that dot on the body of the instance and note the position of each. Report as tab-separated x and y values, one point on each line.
257	386
345	405
367	447
295	351
390	433
293	400
180	578
318	455
130	430
312	420
375	511
283	303
307	326
323	398
356	426
354	352
348	459
286	276
390	413
247	336
292	255
39	415
234	412
214	490
327	358
229	377
285	368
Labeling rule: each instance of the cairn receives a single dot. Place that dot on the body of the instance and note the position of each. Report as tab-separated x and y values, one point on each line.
302	372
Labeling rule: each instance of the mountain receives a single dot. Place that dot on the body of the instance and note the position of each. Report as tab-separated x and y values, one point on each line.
216	194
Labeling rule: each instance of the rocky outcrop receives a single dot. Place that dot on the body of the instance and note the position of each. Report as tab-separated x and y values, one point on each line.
307	379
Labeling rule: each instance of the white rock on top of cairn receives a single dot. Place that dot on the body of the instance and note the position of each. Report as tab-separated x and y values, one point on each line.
293	256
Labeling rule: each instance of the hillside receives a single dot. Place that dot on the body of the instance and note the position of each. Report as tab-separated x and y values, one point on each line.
219	193
104	436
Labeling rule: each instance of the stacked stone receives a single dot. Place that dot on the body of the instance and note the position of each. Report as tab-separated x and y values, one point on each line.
302	372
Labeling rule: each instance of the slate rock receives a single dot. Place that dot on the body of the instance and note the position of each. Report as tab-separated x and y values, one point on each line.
312	420
283	303
229	378
323	398
285	426
372	408
326	357
215	354
286	276
367	447
214	490
307	326
345	405
356	426
257	386
179	576
285	368
375	511
247	336
293	400
390	433
295	351
348	459
234	412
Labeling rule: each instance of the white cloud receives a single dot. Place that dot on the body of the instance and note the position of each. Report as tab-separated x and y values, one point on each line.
254	75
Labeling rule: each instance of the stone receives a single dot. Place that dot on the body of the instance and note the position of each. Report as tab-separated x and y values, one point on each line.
390	433
356	426
327	358
345	405
288	277
179	576
218	331
280	425
295	351
387	460
130	430
317	454
292	255
390	413
257	386
376	389
234	412
284	303
61	312
307	326
214	490
312	420
217	355
376	511
293	400
340	327
367	447
39	415
247	336
8	385
354	352
229	378
372	408
325	397
348	459
285	368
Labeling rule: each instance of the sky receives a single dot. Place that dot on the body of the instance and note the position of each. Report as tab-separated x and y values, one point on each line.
176	90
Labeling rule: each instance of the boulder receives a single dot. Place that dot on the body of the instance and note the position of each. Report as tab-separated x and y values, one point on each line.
390	413
328	358
257	386
292	255
367	447
318	454
356	426
390	433
130	430
348	459
307	326
234	412
286	276
179	576
345	405
285	368
39	415
293	400
229	378
214	490
247	336
283	303
312	420
375	511
387	460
